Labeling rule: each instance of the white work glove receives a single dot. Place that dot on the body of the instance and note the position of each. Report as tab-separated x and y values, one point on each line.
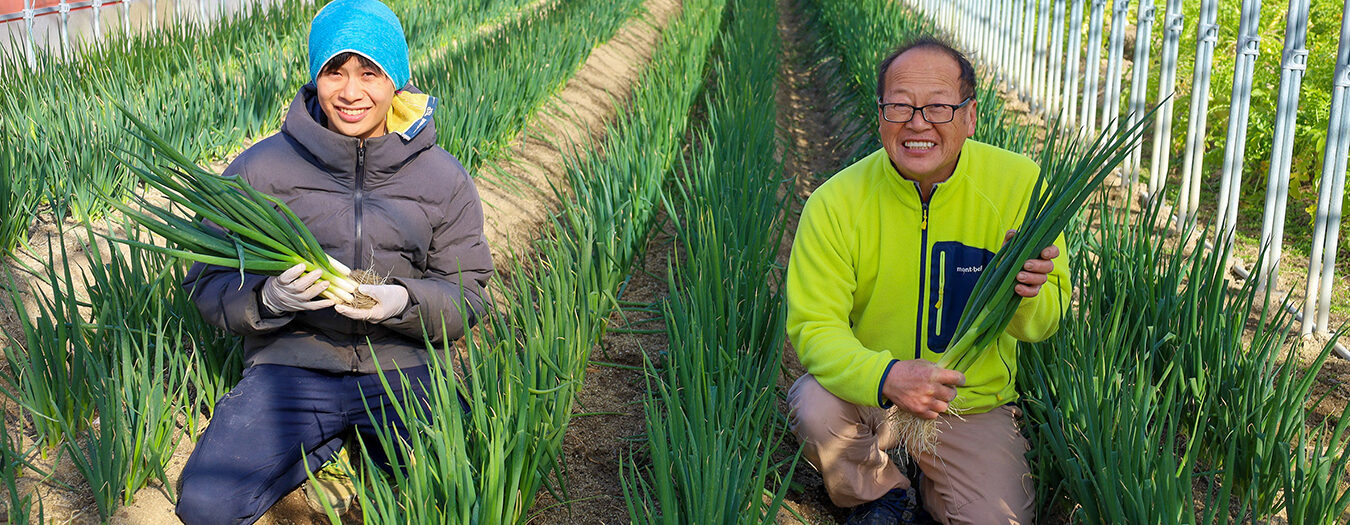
294	291
391	299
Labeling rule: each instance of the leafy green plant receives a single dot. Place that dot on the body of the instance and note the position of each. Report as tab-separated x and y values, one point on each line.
12	461
19	198
1157	355
47	376
712	409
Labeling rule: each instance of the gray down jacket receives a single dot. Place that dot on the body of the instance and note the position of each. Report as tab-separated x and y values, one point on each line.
404	209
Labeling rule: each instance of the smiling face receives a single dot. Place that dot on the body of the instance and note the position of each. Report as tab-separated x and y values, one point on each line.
355	97
924	152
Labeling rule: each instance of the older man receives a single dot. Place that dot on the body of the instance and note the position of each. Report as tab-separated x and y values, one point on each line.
884	261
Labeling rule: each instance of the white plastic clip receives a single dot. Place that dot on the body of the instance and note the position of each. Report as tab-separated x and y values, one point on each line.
1249	45
1211	32
1175	22
1342	77
1296	59
1149	13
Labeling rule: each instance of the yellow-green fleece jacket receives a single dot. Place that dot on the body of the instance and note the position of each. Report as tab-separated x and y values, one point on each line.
877	275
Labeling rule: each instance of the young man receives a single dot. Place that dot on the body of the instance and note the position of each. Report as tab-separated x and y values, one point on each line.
356	160
885	257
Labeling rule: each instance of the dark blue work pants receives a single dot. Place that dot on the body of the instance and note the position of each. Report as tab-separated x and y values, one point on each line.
274	422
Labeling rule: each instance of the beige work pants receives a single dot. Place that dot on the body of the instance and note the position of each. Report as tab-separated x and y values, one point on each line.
979	474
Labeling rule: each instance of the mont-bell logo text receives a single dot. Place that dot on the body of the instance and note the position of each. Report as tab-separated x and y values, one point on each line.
970	269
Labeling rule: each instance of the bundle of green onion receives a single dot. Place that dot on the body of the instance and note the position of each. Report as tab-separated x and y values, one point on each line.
1070	174
247	230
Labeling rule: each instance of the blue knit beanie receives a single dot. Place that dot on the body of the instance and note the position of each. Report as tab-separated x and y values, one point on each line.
366	27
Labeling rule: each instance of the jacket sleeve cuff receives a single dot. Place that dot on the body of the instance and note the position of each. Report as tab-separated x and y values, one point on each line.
428	313
881	397
249	315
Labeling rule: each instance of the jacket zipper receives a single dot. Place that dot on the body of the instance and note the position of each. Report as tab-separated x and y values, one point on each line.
357	202
359	198
923	275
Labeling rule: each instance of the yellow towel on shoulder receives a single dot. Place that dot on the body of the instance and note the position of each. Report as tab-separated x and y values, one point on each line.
410	113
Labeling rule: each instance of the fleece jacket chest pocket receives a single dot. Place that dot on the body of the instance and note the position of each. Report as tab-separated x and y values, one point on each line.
953	270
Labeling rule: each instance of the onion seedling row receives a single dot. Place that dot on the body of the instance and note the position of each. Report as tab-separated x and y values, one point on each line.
711	408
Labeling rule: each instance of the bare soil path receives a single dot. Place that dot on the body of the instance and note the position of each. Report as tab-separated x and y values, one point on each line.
573	120
814	136
608	422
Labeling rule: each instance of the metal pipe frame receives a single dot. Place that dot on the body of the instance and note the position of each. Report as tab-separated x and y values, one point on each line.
1139	85
1029	53
1294	63
1239	112
1091	67
1056	88
1330	192
1071	76
1193	160
1005	19
1114	70
29	14
1039	92
1167	84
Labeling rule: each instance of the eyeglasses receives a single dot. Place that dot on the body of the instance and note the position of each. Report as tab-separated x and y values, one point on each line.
933	113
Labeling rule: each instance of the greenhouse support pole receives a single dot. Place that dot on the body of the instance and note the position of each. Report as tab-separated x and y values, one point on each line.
987	34
1091	68
969	35
28	42
1114	66
1055	80
1239	112
1331	190
1193	160
1039	91
1003	17
1028	46
1015	35
1055	100
949	19
98	20
1167	85
64	9
1139	87
1294	63
126	22
1075	49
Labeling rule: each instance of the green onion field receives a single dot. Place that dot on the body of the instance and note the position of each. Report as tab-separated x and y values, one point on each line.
642	164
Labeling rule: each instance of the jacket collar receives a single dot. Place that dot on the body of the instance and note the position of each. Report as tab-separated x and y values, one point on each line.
335	152
908	190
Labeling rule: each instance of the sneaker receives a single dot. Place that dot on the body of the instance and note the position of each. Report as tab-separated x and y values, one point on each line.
897	507
331	483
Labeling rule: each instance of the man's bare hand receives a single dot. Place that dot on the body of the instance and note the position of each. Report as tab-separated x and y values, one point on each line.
919	386
1035	271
